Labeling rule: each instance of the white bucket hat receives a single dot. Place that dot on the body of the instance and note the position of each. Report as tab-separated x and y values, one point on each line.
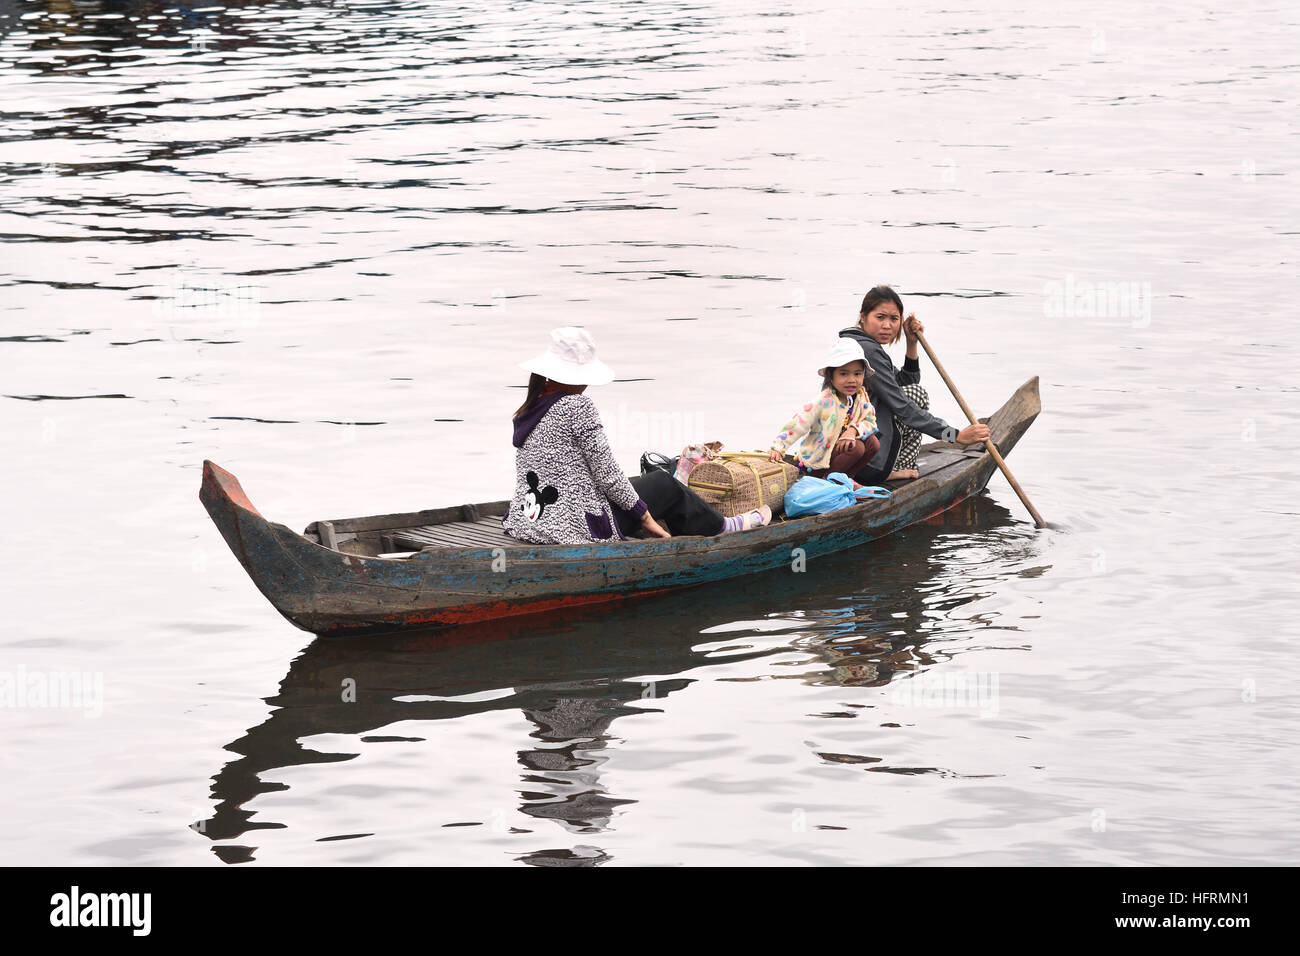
571	359
844	351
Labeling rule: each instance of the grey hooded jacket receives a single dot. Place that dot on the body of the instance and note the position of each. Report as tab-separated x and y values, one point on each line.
892	406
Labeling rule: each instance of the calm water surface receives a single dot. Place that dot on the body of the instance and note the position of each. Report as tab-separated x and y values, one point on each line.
311	242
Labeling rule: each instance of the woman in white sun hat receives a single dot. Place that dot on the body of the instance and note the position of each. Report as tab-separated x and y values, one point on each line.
569	488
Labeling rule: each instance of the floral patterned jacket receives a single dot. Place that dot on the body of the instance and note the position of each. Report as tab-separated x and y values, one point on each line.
821	423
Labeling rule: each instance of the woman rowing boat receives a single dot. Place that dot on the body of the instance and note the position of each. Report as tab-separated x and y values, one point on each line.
569	488
902	405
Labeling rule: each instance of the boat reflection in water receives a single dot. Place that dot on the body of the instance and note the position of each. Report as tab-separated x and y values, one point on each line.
572	674
889	627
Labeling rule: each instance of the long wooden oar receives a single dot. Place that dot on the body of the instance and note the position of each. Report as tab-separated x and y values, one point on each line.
988	442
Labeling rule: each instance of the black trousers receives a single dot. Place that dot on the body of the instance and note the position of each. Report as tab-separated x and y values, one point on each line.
673	505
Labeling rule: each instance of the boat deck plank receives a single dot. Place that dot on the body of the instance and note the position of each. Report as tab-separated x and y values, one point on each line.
454	535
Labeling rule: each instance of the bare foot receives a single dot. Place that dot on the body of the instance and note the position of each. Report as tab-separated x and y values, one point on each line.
903	474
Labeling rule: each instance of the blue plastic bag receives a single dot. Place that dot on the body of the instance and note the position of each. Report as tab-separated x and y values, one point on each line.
817	496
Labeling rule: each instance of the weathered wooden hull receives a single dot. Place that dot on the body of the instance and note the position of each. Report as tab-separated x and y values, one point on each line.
327	591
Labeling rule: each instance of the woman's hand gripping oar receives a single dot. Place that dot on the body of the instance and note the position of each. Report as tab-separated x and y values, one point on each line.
988	443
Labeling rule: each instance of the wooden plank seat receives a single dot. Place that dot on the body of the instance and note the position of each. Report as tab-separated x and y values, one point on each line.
483	533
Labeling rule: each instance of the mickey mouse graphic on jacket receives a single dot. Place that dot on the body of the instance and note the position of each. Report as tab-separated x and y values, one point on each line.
536	499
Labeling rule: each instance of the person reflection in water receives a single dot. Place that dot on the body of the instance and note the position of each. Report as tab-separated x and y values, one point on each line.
574	731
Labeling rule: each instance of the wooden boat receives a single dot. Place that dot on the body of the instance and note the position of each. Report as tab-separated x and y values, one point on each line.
331	579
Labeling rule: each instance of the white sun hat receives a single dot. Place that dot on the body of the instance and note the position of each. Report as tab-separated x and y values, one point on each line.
571	359
844	351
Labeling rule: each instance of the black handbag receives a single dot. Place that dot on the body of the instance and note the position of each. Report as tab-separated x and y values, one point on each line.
653	461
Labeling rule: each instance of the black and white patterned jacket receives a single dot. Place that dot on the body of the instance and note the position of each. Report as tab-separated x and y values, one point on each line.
567	479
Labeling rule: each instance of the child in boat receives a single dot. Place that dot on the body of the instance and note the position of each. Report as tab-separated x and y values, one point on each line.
839	427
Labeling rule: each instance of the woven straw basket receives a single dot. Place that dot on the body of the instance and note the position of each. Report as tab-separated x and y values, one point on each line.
741	481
